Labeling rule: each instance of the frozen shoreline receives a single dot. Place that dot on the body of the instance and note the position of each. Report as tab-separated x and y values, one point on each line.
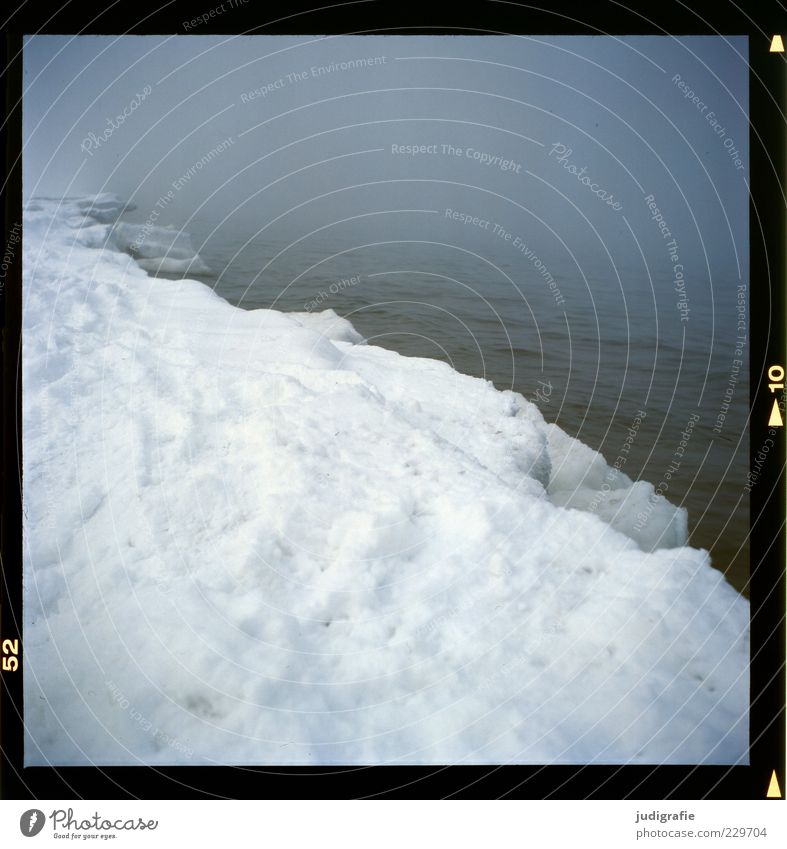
262	541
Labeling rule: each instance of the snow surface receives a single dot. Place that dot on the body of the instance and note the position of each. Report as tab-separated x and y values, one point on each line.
251	538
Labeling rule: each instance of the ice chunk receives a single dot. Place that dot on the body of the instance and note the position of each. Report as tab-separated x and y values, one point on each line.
104	208
330	325
164	250
582	480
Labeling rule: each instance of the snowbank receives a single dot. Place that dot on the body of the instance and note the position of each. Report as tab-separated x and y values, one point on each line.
251	538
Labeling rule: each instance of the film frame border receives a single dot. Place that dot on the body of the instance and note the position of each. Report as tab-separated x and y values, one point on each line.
767	305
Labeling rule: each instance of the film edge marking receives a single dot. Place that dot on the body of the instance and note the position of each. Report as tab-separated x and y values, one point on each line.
774	791
776	416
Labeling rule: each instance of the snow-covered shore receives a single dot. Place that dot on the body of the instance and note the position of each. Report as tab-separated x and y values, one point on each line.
251	538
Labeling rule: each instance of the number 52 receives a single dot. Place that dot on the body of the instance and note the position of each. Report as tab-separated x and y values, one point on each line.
10	647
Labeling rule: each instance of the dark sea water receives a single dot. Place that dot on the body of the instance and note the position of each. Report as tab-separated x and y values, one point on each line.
615	346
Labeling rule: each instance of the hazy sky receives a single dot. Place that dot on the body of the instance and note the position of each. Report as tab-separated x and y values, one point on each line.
274	129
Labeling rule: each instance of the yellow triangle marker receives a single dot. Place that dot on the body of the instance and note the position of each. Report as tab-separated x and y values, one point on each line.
776	416
777	45
774	791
